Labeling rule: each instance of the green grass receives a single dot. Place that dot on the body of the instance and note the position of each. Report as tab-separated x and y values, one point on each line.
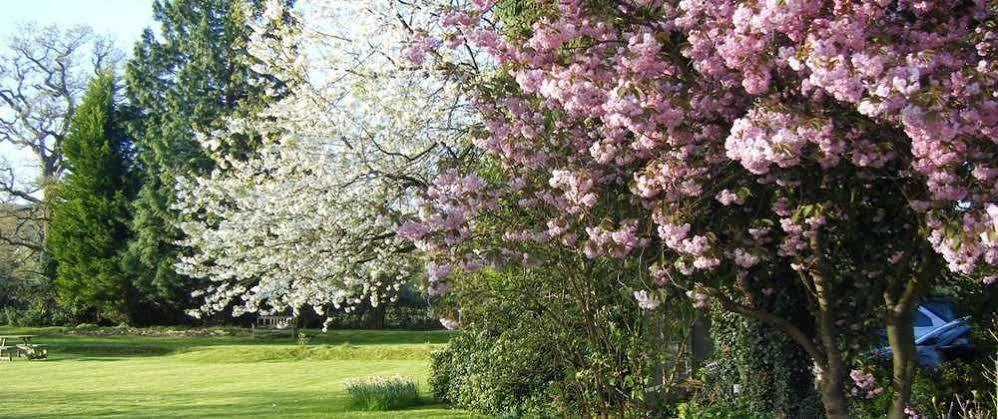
240	376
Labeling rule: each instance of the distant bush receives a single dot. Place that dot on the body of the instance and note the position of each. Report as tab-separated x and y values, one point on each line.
397	317
383	393
33	305
410	311
90	329
303	339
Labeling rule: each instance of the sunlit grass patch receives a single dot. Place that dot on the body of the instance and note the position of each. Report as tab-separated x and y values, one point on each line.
214	376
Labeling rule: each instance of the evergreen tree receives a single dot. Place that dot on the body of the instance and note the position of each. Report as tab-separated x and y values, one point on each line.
186	81
90	217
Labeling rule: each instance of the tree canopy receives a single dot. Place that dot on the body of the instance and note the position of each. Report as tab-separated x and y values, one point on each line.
184	81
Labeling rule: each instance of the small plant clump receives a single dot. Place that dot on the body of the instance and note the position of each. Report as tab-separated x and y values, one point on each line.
383	393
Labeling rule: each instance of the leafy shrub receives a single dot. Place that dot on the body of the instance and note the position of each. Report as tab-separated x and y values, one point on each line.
524	351
504	375
441	364
37	315
719	410
772	372
8	316
33	304
506	358
383	393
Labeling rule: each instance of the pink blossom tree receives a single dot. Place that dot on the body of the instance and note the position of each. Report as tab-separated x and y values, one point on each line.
848	148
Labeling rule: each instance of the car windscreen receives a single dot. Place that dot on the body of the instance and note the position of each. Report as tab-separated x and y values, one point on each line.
943	309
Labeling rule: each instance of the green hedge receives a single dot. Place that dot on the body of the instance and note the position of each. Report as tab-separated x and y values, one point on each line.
510	374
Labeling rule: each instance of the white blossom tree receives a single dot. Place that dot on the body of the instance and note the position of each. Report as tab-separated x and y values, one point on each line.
310	220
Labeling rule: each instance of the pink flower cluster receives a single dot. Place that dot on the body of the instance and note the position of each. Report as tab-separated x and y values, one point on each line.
617	243
449	324
607	111
646	300
865	384
798	235
696	252
726	197
450	206
419	46
578	190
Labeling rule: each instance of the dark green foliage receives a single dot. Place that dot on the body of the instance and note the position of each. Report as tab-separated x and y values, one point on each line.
726	409
772	371
528	349
512	374
89	224
391	316
518	16
187	80
411	311
29	302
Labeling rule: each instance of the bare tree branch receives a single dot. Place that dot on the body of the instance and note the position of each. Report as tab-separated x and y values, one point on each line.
43	74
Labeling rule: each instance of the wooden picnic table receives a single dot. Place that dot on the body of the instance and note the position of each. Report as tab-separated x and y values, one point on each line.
25	345
26	339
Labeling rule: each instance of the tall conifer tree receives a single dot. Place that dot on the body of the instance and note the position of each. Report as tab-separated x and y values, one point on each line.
90	217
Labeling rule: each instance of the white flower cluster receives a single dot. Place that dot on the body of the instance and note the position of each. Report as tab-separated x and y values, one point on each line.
310	218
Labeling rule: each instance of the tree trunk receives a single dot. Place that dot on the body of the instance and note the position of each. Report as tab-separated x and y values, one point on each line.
831	378
701	345
900	320
833	372
901	336
832	396
376	317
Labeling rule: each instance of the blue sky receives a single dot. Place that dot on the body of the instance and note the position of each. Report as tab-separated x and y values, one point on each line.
124	20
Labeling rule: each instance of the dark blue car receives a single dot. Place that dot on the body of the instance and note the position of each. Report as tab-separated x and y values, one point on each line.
939	334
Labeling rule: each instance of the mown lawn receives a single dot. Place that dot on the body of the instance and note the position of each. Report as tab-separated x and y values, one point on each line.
138	376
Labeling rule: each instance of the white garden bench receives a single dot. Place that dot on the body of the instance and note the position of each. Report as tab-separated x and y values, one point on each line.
280	323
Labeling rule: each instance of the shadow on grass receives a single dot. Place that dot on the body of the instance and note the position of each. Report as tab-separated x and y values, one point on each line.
203	404
70	347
